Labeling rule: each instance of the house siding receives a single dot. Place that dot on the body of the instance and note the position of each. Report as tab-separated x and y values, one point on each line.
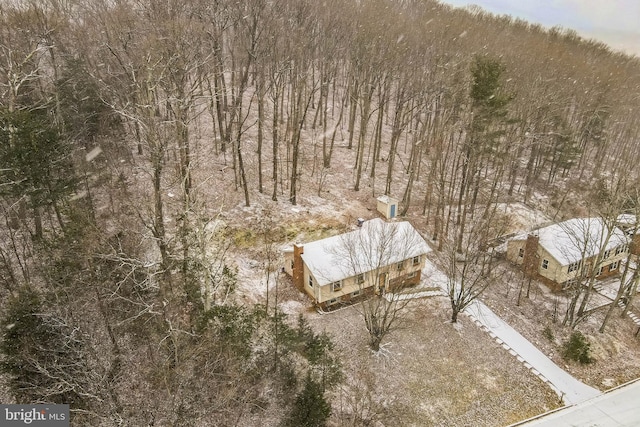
288	262
554	269
394	281
314	291
513	250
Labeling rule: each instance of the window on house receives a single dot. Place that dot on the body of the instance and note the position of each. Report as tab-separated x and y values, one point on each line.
521	252
333	301
619	249
545	264
411	275
355	293
292	265
606	254
575	266
613	266
416	260
360	279
311	281
600	270
400	265
336	286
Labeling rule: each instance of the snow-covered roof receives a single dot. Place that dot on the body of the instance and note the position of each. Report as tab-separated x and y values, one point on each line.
629	224
569	241
627	219
376	244
387	199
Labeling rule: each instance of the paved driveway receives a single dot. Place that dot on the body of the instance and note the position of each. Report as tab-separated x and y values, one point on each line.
568	388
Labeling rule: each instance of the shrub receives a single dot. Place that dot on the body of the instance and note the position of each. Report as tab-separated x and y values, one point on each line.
548	333
577	348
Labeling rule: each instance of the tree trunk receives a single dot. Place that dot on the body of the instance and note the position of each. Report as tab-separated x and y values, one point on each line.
454	314
362	135
260	134
275	124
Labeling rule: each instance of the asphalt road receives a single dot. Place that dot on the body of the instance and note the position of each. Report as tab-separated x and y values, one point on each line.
617	408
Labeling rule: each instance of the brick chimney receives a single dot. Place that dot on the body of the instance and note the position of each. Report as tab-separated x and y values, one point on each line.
531	260
634	247
298	267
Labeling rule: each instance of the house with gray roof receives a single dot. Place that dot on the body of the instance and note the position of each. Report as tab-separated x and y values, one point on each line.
377	257
561	253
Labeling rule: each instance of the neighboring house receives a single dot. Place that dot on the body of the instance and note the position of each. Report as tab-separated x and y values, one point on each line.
377	257
628	224
560	253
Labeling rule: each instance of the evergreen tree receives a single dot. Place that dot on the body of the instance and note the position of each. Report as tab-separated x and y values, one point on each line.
310	408
35	161
41	354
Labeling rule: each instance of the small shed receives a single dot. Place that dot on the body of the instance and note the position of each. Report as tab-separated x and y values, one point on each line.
387	206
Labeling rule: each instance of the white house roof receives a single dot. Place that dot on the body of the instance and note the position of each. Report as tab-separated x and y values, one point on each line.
376	244
571	240
387	199
628	223
627	219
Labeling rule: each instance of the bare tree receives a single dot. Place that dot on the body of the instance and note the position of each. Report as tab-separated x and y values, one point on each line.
588	243
380	257
631	201
470	264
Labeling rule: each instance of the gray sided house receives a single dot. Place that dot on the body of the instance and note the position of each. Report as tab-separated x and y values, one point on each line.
376	258
562	252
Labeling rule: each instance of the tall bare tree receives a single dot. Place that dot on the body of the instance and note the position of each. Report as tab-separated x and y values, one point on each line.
377	256
471	271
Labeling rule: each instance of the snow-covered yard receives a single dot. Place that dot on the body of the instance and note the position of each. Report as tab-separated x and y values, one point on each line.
433	372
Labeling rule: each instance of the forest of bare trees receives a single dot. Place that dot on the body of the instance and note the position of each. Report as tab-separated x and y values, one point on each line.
118	118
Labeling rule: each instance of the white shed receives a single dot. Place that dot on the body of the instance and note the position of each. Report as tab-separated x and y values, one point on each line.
387	206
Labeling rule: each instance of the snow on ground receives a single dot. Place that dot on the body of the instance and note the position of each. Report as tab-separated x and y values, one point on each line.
291	308
568	388
522	217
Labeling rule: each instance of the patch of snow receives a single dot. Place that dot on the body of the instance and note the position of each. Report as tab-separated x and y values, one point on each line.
291	307
522	217
93	153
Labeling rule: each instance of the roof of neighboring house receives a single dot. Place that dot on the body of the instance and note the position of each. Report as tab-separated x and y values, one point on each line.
629	224
627	219
569	241
376	244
